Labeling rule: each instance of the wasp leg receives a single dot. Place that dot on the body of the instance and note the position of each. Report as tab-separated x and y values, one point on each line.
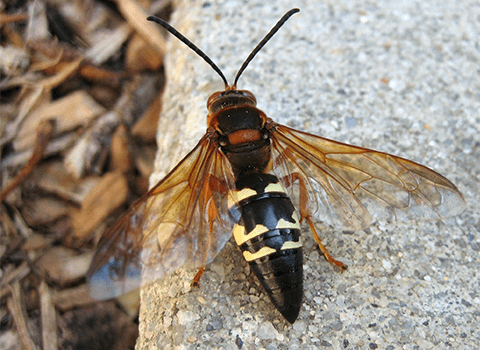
304	214
212	210
196	280
324	250
208	244
218	186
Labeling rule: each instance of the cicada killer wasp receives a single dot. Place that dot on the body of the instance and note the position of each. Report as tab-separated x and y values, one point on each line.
236	180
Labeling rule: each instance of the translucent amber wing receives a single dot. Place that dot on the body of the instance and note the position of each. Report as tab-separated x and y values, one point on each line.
183	221
349	187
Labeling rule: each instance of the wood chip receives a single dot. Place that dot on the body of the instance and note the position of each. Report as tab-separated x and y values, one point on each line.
52	177
37	27
120	154
47	50
20	224
49	318
76	109
139	185
43	133
56	146
44	210
85	154
16	307
141	56
130	303
12	276
13	60
63	265
144	160
146	127
8	226
29	101
47	63
12	17
106	77
36	93
137	18
109	194
67	70
67	299
91	151
104	94
10	34
109	45
76	157
37	241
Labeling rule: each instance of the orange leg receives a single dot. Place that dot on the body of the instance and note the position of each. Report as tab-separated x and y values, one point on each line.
305	215
196	280
218	186
324	250
212	210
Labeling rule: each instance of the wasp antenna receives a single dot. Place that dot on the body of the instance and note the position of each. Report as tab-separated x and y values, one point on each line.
190	45
262	43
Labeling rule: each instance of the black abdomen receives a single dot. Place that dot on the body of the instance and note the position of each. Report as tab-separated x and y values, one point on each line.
269	236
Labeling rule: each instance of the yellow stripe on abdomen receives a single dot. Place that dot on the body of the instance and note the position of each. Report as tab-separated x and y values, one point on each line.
260	254
236	196
242	237
291	245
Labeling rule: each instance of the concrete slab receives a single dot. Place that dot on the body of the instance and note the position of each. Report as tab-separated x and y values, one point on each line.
400	77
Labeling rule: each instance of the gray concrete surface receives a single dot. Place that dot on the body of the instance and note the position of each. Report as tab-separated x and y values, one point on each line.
400	77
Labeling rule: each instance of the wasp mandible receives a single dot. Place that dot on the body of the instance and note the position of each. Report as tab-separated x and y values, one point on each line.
236	180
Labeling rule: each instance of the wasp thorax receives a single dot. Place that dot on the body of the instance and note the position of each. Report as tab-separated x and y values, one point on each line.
228	98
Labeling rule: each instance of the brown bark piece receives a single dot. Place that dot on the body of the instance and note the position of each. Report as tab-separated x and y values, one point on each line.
67	299
63	265
49	318
109	44
44	211
136	17
141	56
52	177
71	111
110	193
17	310
37	241
146	127
120	154
43	135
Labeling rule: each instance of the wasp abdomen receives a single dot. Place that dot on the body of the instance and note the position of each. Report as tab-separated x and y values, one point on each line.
268	235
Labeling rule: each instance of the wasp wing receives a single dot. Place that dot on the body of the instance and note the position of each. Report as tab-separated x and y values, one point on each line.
183	220
349	187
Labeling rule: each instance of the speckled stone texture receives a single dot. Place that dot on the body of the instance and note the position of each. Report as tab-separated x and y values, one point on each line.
400	77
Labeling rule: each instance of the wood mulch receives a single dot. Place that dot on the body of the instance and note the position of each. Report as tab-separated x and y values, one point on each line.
80	95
